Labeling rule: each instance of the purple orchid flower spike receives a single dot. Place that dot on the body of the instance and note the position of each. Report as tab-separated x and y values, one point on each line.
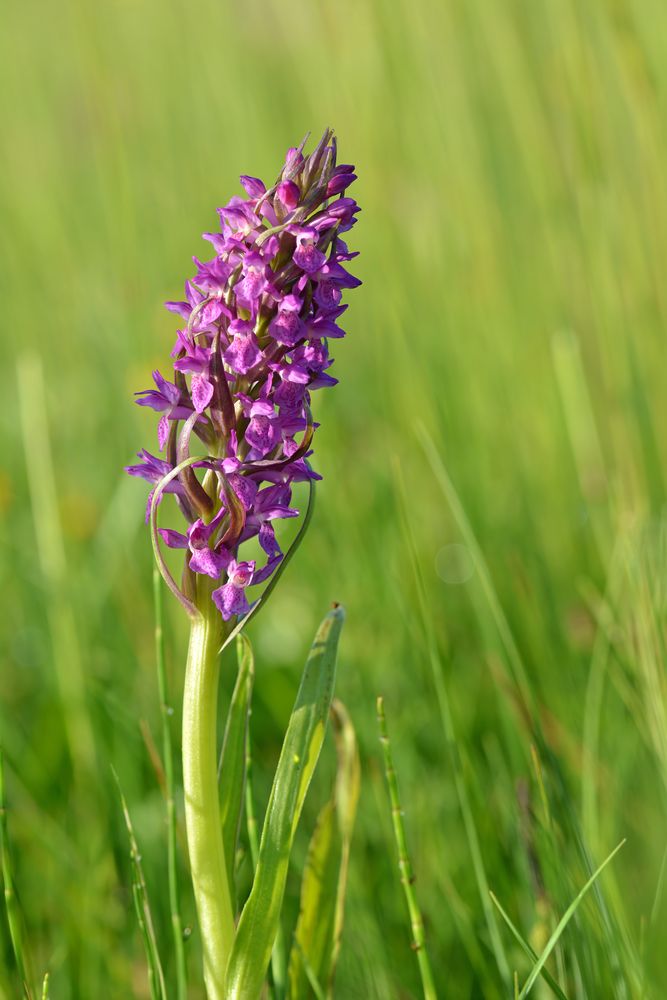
254	346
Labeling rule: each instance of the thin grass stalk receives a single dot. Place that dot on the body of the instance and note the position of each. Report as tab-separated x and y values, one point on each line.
404	866
167	753
517	672
67	659
142	907
14	918
527	948
563	922
310	975
514	659
451	739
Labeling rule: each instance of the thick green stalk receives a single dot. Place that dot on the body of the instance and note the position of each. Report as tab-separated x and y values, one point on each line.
200	785
174	904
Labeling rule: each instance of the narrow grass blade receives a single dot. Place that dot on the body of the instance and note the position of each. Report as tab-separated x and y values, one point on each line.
167	753
65	641
232	768
514	660
659	891
260	918
14	916
142	907
453	745
404	866
551	943
583	434
319	927
318	992
45	987
526	947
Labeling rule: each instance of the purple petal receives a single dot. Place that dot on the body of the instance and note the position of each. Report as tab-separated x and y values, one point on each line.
308	257
199	533
245	489
323	326
167	389
296	373
323	380
288	194
261	408
180	308
266	571
212	311
339	183
262	435
243	354
208	562
150	468
201	391
253	185
174	539
267	539
156	401
241	573
286	327
327	294
162	432
230	601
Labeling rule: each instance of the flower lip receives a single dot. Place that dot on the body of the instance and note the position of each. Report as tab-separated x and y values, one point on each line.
240	573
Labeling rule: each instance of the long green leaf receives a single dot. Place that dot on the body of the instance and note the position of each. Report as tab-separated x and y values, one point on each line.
564	920
527	948
320	923
232	768
301	748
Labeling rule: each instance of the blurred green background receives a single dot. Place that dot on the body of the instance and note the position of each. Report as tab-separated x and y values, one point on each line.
510	334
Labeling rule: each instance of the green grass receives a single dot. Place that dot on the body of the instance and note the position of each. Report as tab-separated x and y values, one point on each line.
502	388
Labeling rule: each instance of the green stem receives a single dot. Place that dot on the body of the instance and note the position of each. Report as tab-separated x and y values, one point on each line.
404	866
14	918
200	785
174	906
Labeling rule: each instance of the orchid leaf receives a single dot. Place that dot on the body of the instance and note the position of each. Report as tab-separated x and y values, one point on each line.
260	918
232	768
320	923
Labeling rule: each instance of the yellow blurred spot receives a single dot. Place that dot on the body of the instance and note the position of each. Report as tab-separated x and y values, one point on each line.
79	515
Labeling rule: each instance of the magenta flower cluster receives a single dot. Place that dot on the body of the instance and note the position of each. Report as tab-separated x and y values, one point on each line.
258	319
